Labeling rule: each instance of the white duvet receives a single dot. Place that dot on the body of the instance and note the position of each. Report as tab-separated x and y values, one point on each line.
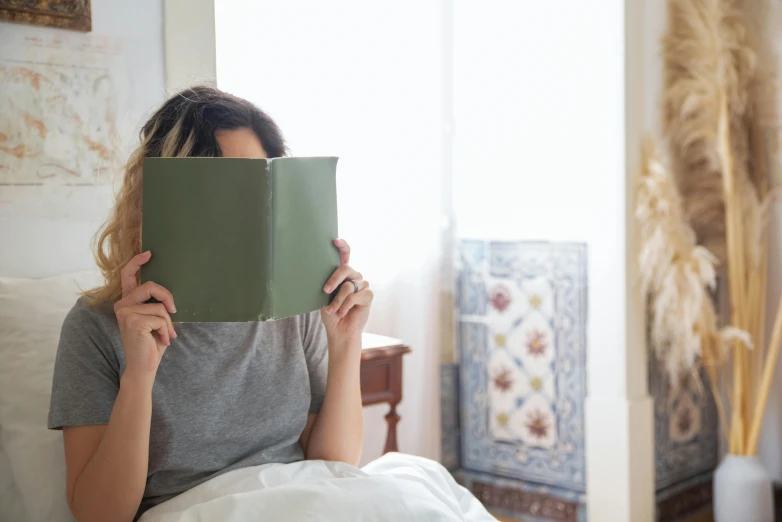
395	488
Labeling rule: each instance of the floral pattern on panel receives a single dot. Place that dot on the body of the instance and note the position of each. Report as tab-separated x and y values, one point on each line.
536	342
505	301
522	367
685	421
503	380
500	298
536	423
533	343
536	384
535	301
539	294
506	382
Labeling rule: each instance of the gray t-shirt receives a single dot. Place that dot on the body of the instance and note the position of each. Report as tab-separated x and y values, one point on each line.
226	395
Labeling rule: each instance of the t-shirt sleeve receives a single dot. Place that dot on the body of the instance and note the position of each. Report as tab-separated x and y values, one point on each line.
316	351
86	373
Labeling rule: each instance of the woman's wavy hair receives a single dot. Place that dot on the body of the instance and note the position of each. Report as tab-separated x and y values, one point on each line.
184	126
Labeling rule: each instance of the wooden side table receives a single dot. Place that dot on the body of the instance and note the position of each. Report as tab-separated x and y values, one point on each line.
381	378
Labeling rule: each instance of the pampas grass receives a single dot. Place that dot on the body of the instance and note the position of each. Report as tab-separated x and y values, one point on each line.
677	274
679	277
707	59
707	209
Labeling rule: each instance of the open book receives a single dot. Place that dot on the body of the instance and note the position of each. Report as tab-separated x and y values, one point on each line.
237	239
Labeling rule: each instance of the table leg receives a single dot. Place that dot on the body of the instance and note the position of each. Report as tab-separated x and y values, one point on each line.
392	419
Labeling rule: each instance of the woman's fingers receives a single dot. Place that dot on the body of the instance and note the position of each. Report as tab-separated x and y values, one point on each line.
159	310
345	289
361	298
144	293
128	274
159	328
132	294
151	310
143	319
341	274
344	250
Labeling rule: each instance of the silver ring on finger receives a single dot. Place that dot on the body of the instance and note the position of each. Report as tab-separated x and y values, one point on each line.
355	285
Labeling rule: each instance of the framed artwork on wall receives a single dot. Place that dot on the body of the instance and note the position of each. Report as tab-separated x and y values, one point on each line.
63	14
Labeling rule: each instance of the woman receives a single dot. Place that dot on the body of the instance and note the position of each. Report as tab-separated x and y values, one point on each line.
148	409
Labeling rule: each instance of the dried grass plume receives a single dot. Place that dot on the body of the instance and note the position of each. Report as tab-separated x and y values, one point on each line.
708	55
677	276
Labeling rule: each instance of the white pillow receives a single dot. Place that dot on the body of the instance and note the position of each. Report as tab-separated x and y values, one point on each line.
31	314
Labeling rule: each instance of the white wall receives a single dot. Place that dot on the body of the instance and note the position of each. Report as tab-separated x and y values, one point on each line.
46	230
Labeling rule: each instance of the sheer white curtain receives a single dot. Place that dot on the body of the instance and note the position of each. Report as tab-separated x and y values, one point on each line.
362	81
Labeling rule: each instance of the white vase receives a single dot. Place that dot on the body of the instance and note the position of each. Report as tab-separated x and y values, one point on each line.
742	491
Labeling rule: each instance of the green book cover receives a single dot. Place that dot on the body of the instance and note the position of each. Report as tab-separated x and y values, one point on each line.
239	239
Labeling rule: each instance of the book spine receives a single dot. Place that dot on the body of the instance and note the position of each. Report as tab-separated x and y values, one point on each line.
268	311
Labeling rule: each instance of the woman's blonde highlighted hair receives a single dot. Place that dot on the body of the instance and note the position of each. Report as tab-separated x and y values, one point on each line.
184	126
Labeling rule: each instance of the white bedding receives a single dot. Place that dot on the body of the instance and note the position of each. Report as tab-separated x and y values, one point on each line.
395	487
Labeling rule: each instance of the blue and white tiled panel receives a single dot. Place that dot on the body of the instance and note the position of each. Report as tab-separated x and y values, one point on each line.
686	427
522	342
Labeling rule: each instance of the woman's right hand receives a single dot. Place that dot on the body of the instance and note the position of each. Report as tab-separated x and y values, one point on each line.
146	328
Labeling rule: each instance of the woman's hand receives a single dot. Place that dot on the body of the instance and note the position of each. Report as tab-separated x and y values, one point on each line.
347	314
146	328
335	433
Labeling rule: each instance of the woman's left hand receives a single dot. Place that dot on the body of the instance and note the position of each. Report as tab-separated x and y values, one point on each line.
347	314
